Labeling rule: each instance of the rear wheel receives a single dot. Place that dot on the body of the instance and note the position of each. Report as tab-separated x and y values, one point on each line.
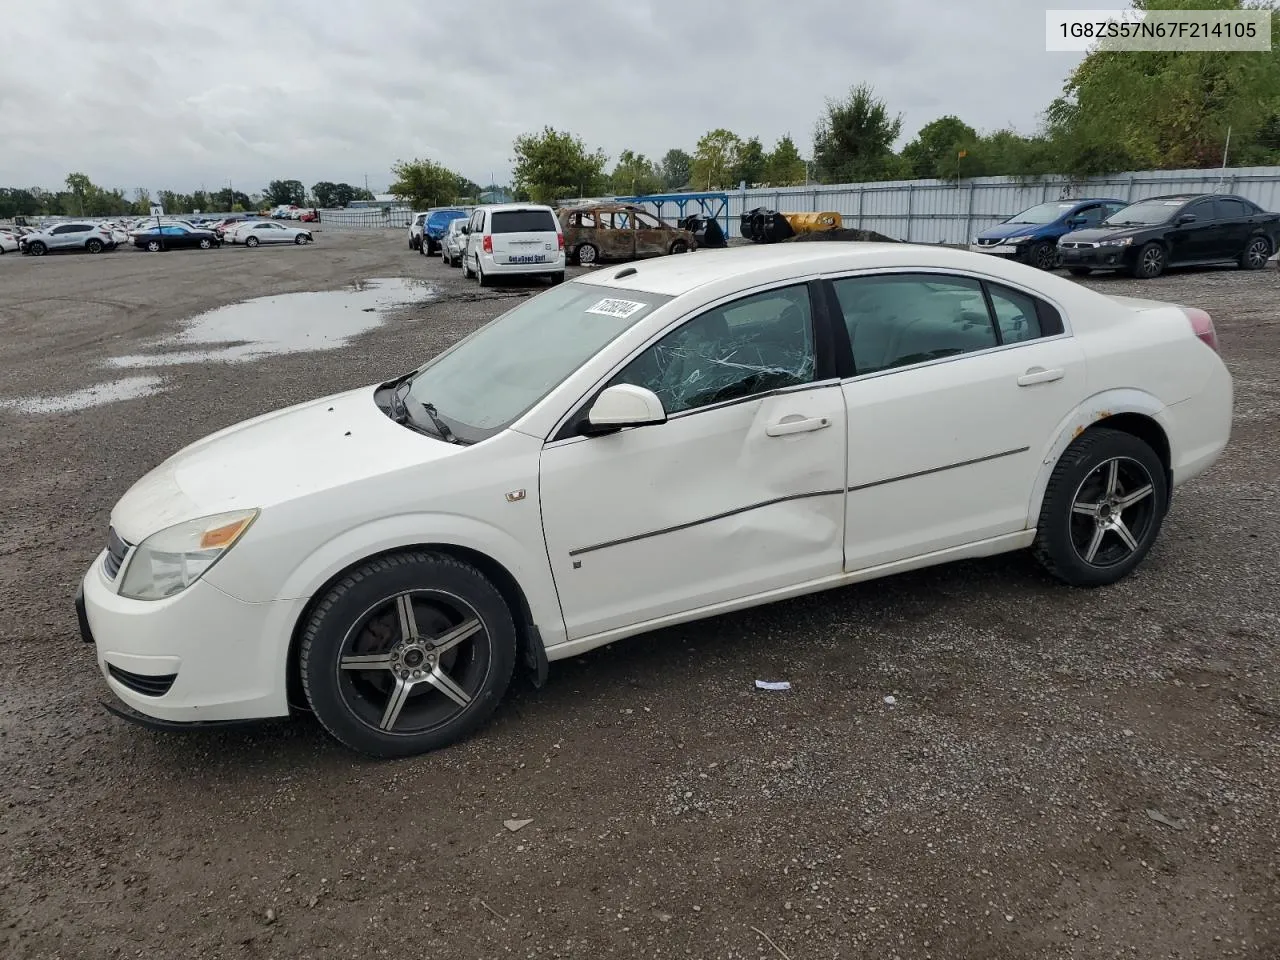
408	653
1079	271
466	268
557	278
250	241
678	246
94	246
1102	509
1256	254
586	254
484	281
1150	262
153	246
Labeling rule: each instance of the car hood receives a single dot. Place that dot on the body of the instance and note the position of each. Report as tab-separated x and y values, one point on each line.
273	458
1095	234
1013	230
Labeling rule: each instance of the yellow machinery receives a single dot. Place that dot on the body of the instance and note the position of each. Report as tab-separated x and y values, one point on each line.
814	222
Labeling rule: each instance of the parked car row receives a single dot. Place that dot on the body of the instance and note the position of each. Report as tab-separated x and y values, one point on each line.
153	234
1143	238
534	239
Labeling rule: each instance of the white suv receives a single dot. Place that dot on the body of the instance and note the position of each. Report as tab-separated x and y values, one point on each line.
514	239
416	226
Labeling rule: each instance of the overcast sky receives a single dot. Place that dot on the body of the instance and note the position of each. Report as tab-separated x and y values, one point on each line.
184	95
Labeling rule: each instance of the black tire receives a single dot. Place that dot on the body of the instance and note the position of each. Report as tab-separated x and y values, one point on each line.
300	239
1079	271
1043	256
1065	535
484	281
205	243
1256	254
1149	262
37	249
153	246
586	254
466	268
250	241
413	244
557	278
95	246
678	247
362	616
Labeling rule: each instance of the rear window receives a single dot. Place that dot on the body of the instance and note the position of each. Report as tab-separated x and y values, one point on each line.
524	221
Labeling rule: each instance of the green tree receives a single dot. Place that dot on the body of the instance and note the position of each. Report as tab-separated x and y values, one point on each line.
635	175
325	194
853	141
281	192
81	188
424	183
784	167
228	199
714	160
936	149
1164	109
750	163
676	168
554	165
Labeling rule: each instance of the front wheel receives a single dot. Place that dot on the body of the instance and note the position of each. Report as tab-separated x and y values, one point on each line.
586	254
205	243
1150	262
1102	509
1256	254
300	239
409	653
37	249
1043	256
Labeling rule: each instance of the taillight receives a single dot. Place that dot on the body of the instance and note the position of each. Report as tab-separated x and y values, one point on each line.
560	238
1202	325
488	243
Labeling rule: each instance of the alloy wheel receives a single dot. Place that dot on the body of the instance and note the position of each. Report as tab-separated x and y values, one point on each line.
1257	253
413	662
1152	261
1112	512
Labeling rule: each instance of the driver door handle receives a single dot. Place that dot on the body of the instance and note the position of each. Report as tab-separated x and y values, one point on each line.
786	426
1039	375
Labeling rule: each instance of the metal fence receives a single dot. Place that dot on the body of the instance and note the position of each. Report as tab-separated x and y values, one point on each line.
939	211
368	218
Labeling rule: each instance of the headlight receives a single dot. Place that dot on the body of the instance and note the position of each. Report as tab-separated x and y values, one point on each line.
168	562
1119	242
1019	239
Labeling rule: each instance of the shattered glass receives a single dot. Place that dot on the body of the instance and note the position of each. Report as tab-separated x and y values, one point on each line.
755	345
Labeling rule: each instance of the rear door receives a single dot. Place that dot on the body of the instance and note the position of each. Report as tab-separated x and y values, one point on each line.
957	390
523	236
1235	225
617	236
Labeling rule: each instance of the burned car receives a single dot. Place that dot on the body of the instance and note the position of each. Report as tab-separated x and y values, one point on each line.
619	231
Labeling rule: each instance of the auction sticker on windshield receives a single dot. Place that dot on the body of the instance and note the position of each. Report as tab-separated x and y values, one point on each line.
616	308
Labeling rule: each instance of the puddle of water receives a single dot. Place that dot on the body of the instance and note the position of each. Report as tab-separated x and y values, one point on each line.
125	389
286	323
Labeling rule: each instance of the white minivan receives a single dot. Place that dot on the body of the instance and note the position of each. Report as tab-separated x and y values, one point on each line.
514	239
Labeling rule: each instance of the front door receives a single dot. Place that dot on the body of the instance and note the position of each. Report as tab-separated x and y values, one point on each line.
1199	239
739	493
949	411
652	238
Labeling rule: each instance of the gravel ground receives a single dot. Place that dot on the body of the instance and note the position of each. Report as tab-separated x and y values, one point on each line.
1064	774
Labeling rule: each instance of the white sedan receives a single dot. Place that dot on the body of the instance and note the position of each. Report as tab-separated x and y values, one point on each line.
253	232
8	242
644	446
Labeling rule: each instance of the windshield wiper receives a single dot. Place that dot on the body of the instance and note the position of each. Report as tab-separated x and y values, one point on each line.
398	409
443	428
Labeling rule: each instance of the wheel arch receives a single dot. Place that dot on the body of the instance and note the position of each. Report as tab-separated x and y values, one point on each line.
531	646
1131	411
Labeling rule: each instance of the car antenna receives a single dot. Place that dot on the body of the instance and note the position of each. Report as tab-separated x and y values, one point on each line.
625	272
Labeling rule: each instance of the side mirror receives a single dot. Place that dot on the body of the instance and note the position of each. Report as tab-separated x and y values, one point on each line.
624	405
1186	218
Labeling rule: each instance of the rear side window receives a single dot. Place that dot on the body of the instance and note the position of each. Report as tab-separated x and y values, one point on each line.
900	320
1230	209
523	221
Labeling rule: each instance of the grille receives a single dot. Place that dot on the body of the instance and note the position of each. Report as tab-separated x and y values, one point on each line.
145	684
117	550
986	242
1077	245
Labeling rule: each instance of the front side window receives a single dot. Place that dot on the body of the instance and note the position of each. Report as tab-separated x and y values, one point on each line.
896	321
760	343
1092	215
488	380
1042	213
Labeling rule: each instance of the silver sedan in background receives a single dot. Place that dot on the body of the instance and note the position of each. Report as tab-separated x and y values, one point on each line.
453	243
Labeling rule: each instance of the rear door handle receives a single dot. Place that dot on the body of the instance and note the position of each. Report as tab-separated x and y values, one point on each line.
1039	375
786	427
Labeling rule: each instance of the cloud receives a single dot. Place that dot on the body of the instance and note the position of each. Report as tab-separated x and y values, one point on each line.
247	92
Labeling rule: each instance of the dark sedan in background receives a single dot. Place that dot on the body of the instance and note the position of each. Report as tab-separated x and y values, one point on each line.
171	236
1175	231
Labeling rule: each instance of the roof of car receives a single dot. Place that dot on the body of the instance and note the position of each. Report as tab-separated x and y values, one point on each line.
499	207
680	273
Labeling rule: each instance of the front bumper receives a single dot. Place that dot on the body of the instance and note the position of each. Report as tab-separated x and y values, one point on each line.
1100	258
1010	251
199	657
